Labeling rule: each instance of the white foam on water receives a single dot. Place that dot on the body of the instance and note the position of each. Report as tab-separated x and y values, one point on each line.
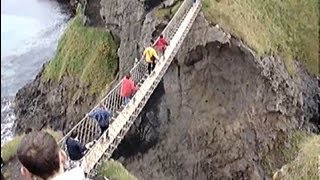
7	121
30	30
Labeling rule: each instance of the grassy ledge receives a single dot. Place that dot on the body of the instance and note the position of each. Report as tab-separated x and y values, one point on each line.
87	53
287	28
9	149
306	164
282	154
114	170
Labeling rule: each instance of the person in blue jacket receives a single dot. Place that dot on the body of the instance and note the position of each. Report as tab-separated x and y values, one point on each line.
102	115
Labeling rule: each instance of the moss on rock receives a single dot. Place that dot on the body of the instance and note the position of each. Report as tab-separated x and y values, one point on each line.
87	53
114	170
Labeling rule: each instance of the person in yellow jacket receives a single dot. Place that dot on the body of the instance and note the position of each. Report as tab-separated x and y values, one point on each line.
151	55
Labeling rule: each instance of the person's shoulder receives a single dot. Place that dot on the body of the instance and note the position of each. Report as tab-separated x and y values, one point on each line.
75	173
70	140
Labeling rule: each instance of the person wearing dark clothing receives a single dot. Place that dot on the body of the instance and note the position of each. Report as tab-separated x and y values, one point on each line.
102	115
75	149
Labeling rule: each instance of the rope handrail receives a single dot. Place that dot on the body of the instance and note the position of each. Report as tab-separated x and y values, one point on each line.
167	33
88	128
102	150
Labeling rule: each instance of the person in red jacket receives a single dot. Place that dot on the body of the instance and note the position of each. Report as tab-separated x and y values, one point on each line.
161	44
128	87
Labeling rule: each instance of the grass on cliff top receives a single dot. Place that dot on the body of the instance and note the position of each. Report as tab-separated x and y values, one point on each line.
9	149
287	28
87	53
306	164
114	170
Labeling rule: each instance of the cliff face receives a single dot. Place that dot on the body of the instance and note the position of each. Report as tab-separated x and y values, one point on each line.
58	105
71	83
220	112
127	20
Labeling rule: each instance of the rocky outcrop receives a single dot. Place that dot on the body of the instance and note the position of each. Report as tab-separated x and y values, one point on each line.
132	22
124	19
222	111
71	83
59	105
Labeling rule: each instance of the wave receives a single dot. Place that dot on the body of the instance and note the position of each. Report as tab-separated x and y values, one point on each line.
7	119
21	34
30	30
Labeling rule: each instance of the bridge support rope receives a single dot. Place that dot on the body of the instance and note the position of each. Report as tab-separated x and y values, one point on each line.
88	129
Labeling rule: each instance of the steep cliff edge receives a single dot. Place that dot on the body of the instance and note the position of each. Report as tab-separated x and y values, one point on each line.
71	83
224	113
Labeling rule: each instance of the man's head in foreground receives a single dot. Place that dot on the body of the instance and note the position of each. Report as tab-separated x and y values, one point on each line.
40	156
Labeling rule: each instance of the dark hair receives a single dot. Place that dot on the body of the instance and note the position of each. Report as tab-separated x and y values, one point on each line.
161	36
152	41
39	153
73	134
128	75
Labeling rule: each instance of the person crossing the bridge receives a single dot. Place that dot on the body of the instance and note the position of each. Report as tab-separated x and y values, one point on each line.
161	44
102	115
128	88
75	148
41	157
151	57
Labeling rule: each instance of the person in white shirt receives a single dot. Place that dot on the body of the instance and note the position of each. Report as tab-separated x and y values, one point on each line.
41	157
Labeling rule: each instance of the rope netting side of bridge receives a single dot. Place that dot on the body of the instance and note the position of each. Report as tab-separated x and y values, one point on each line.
103	151
88	128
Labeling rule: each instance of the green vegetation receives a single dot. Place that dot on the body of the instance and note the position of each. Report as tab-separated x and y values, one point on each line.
287	28
87	53
9	149
167	13
282	153
297	138
114	170
306	165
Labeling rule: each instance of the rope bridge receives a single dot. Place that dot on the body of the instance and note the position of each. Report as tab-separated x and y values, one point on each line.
123	117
